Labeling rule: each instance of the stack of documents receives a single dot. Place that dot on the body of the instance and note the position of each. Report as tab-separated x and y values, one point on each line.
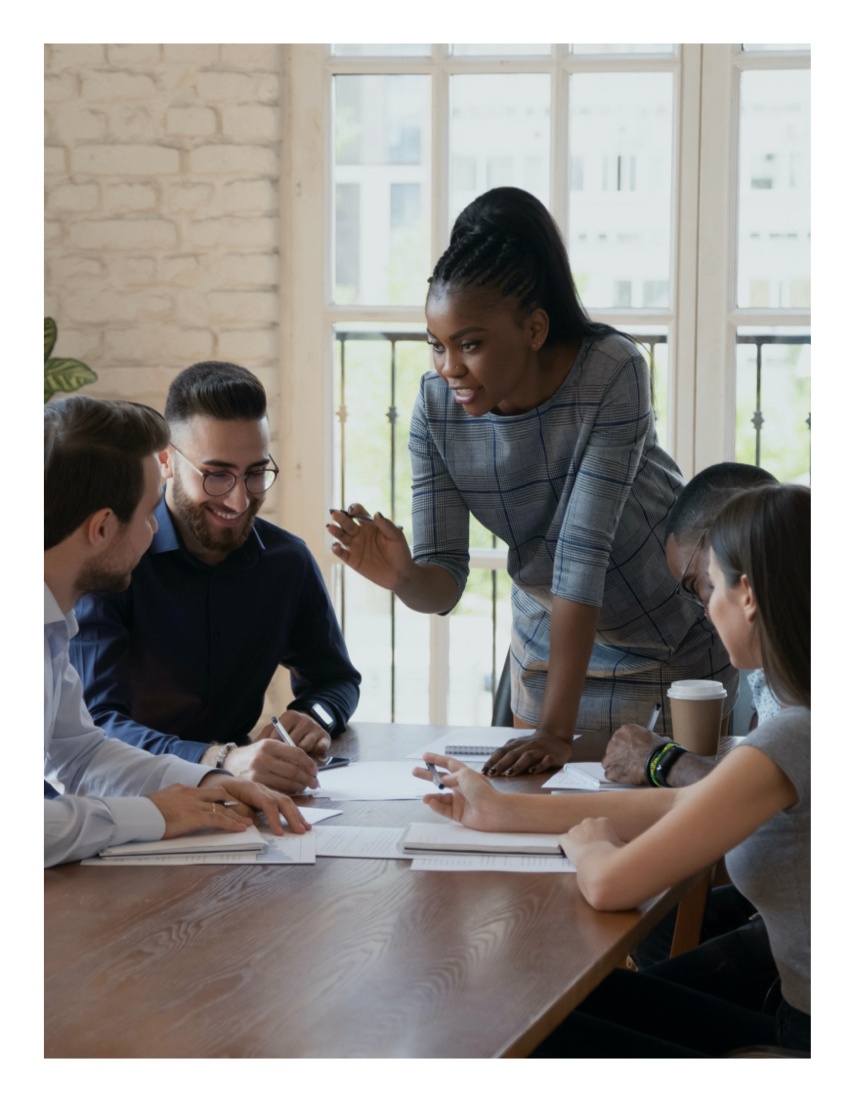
210	841
584	775
453	847
451	837
212	846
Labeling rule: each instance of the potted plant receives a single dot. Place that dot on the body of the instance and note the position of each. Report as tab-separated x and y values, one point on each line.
63	375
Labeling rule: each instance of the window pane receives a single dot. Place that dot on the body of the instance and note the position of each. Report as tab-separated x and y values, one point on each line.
473	644
750	47
774	190
539	50
653	343
619	236
382	172
377	373
499	135
638	47
381	50
773	401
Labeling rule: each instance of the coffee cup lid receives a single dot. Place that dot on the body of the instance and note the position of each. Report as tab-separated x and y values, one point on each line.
697	689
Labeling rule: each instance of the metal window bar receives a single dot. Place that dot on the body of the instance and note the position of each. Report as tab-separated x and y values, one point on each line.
761	341
648	342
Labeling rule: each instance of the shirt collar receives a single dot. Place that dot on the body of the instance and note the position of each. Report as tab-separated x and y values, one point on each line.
166	537
55	615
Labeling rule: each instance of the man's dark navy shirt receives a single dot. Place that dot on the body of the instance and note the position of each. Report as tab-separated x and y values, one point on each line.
184	656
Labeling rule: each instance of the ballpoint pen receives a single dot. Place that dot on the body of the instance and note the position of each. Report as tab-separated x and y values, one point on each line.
362	519
654	717
435	775
283	733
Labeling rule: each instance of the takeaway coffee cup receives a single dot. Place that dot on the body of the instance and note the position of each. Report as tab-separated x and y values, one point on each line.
696	708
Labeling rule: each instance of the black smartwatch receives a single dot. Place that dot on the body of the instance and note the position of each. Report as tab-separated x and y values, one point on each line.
661	761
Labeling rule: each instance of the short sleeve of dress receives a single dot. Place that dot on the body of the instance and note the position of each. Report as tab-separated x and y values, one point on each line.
440	516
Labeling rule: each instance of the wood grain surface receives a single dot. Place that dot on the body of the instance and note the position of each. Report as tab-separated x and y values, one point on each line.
348	958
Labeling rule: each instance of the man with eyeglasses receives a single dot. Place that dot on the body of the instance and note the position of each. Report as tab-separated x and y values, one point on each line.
734	942
181	661
687	554
101	488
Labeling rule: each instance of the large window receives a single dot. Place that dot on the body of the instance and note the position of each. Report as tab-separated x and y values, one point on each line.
679	176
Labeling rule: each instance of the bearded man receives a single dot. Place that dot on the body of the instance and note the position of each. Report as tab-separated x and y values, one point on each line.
180	661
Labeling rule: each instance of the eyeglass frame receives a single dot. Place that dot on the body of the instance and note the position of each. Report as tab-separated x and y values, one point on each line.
693	597
205	474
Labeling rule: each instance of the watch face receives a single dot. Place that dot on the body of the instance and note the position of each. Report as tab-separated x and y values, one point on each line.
323	716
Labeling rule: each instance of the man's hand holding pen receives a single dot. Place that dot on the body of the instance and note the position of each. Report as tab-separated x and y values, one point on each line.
275	764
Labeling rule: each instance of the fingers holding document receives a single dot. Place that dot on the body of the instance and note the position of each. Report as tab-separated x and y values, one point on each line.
256	798
185	809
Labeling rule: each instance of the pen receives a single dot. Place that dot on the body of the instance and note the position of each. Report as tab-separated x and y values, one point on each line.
435	775
283	733
654	717
363	519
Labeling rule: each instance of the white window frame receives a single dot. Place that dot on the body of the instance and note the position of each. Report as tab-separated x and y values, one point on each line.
702	322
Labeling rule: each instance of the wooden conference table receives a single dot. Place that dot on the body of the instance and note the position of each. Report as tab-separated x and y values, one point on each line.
347	958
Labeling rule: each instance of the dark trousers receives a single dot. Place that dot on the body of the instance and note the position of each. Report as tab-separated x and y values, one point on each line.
726	909
634	1015
737	967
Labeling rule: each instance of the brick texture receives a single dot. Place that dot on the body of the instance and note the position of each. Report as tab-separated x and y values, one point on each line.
162	168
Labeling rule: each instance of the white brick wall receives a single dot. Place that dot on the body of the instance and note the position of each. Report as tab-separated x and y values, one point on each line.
162	168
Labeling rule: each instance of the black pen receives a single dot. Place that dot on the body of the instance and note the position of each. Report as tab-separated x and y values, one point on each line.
435	775
362	519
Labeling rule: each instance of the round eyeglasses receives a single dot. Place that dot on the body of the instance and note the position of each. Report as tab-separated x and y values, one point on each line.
218	483
684	588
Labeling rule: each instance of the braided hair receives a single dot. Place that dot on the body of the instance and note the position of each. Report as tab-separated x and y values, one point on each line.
506	240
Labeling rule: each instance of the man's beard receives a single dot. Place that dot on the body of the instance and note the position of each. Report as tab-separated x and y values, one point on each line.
224	540
102	576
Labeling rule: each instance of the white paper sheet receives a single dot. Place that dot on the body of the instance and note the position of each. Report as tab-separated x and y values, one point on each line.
582	775
519	864
314	814
213	841
450	836
360	842
378	780
290	848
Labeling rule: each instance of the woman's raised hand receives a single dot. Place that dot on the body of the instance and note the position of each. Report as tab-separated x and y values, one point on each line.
470	798
372	546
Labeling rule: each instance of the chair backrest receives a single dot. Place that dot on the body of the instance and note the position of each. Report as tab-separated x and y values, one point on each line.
502	715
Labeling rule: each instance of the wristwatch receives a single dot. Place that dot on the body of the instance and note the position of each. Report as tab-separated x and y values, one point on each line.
660	762
322	716
220	762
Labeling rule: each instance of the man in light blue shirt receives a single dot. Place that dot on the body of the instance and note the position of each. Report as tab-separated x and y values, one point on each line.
102	484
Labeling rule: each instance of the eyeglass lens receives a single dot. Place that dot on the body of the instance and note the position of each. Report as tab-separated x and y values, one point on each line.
219	483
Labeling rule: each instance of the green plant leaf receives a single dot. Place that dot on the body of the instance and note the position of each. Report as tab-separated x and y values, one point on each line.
66	376
50	336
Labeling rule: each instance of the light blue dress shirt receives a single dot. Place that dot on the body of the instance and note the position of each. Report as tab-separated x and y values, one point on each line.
104	781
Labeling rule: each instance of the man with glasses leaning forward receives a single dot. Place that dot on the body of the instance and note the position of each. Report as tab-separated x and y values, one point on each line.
180	662
687	553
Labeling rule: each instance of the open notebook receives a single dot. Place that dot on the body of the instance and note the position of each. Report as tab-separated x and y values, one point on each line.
451	837
211	840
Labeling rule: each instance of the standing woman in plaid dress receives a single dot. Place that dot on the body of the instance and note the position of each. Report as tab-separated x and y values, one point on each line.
538	421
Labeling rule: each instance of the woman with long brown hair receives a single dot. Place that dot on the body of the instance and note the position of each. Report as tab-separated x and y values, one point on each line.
754	807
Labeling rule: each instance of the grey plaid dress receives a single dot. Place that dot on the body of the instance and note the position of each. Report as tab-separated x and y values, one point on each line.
579	489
